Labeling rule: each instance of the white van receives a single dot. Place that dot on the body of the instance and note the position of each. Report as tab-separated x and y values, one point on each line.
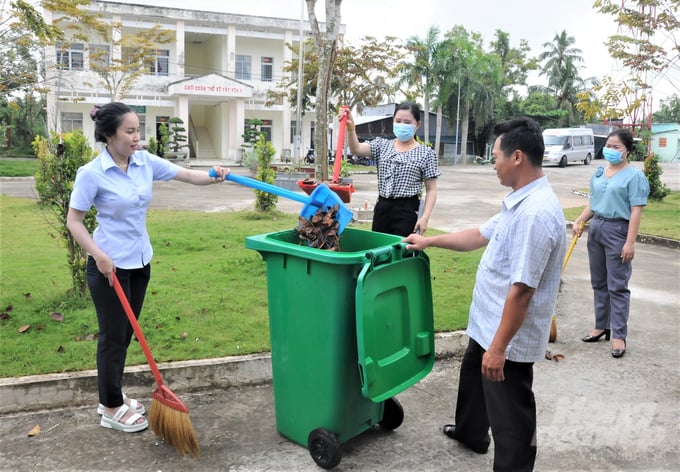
565	145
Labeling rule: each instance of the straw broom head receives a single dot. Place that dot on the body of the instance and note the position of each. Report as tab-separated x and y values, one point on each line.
169	420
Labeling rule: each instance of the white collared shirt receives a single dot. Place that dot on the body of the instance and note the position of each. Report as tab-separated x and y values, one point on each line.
527	242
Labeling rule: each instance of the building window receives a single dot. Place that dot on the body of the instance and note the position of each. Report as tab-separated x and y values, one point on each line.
71	122
267	69
70	56
142	126
242	67
293	131
663	142
100	57
311	137
160	62
266	129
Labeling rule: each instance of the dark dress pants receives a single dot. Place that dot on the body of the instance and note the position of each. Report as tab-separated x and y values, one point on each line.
115	331
396	215
508	407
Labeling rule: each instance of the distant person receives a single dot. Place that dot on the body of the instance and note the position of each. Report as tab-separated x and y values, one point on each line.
118	183
404	165
618	193
512	302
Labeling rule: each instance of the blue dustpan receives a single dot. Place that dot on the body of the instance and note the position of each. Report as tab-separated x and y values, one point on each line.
321	198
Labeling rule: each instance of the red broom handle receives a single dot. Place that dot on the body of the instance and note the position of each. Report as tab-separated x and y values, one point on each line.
137	329
339	148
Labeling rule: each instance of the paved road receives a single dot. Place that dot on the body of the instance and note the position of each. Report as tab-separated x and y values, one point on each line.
594	412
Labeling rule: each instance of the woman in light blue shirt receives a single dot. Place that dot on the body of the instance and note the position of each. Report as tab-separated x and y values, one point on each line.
118	183
618	193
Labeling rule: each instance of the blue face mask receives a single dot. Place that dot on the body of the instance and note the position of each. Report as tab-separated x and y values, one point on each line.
612	155
403	131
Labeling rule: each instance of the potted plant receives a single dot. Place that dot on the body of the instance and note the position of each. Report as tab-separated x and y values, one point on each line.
250	136
162	139
287	177
177	139
345	172
153	146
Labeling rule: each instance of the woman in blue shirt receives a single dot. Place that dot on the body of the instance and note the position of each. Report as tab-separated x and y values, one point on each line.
618	193
118	183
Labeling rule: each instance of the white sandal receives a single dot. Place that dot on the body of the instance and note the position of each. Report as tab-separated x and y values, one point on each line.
134	404
128	426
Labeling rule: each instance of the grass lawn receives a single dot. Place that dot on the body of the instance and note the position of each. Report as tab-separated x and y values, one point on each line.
207	296
18	167
658	218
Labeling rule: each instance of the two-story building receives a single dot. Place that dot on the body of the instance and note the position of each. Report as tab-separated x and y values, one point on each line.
214	76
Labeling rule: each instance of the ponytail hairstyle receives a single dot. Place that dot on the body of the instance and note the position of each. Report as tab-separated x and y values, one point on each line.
107	119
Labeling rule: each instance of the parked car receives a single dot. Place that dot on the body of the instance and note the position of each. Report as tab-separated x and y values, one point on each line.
565	145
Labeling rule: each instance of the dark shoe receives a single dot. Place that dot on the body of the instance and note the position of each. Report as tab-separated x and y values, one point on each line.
619	352
593	339
480	448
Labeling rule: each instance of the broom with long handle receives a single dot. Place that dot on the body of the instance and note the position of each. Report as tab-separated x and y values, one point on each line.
168	416
553	324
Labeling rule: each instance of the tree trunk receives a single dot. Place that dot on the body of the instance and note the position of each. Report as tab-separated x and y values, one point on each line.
465	119
326	45
438	131
426	118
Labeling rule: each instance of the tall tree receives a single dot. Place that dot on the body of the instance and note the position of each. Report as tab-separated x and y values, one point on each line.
515	61
647	45
22	32
561	68
669	112
516	64
363	75
326	45
471	81
419	73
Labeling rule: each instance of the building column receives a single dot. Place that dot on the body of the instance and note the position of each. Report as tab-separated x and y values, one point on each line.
235	124
179	49
231	52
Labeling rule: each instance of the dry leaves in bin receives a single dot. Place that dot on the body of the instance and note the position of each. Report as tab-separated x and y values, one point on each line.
321	230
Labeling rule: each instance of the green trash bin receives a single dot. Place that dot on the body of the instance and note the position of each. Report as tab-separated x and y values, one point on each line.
349	330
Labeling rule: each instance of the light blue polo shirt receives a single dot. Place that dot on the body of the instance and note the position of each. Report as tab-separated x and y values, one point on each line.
122	200
527	243
612	197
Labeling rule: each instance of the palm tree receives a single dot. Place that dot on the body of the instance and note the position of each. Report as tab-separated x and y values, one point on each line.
419	74
559	57
561	68
470	76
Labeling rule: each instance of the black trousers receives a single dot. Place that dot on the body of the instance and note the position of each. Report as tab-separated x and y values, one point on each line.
396	215
115	331
508	407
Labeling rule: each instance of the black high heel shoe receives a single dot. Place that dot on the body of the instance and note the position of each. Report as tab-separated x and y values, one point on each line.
593	339
616	353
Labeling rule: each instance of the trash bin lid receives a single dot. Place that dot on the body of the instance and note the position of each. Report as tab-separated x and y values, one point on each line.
395	327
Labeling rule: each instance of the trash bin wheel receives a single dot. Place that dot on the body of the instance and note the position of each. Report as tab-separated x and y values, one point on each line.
324	448
393	414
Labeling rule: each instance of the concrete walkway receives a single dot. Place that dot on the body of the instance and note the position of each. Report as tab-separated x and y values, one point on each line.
594	412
